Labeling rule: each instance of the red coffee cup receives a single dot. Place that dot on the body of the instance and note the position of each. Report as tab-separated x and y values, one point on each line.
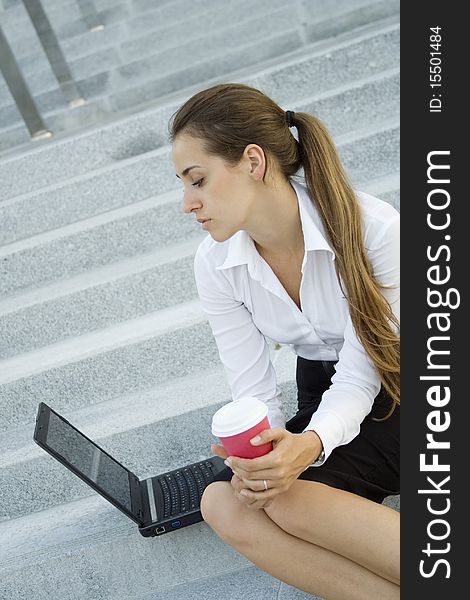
236	423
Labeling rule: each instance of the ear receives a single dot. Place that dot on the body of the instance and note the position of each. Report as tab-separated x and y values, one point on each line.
256	159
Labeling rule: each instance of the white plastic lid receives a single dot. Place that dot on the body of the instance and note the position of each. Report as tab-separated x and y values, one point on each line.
238	416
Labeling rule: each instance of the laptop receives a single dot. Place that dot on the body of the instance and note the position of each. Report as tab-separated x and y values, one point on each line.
158	505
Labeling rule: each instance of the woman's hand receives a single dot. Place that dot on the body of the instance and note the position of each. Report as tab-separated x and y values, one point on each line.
292	453
237	484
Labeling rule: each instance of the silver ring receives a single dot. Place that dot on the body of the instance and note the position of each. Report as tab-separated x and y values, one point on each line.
265	484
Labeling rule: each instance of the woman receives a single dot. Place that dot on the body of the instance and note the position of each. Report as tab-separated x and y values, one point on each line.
315	266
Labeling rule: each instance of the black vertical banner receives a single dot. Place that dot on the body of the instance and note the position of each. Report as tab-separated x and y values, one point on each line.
435	500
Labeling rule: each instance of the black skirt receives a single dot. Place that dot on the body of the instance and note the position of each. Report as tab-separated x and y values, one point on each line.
369	465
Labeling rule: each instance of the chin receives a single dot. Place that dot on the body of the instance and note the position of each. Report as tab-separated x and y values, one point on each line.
218	237
221	236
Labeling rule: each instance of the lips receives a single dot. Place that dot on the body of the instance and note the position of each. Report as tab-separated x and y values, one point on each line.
203	220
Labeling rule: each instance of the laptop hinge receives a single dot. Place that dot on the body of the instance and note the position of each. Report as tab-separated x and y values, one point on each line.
152	504
138	507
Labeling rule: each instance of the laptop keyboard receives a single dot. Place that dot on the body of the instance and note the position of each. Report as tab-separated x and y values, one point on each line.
182	489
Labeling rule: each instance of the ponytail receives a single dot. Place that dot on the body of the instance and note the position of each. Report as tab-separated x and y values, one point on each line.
372	317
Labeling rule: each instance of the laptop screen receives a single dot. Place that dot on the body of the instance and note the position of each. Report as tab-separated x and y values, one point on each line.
88	459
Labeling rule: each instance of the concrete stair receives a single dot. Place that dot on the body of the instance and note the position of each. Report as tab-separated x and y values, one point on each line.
348	60
144	56
99	316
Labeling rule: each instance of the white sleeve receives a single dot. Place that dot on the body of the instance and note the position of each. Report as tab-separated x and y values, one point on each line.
356	382
243	350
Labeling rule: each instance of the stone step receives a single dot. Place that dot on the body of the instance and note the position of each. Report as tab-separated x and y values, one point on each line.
160	17
109	83
328	19
157	222
341	110
349	12
60	120
137	34
324	67
113	59
113	236
315	19
122	95
66	24
98	298
113	56
102	364
76	48
79	538
153	32
265	28
214	68
41	81
57	11
233	582
98	366
89	88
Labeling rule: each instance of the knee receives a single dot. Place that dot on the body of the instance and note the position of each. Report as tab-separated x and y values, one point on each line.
222	511
211	500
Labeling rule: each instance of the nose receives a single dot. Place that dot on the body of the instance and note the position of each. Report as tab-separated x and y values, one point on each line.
190	202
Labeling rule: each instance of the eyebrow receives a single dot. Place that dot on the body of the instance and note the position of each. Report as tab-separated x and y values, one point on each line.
186	171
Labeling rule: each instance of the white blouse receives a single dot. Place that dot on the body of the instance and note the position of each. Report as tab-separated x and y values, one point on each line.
245	303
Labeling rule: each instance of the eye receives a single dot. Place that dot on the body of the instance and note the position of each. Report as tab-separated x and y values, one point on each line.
199	182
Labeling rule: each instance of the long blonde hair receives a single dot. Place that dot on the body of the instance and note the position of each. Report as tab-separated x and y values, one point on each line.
228	117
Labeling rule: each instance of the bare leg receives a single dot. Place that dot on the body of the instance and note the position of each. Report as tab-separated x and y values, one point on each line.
363	531
295	561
